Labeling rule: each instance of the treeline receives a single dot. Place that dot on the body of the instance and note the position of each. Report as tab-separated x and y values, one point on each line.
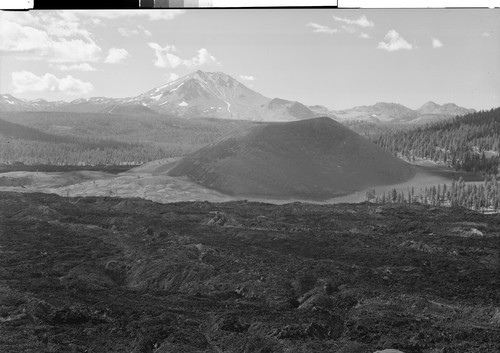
79	152
470	143
482	197
157	129
104	139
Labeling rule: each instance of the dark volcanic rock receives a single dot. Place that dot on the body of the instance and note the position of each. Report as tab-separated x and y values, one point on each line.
299	280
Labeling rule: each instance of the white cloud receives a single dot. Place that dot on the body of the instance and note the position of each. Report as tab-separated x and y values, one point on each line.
77	67
362	21
64	28
132	32
393	41
127	32
164	56
145	31
349	29
203	57
436	43
172	77
22	18
247	78
364	35
116	55
71	16
47	36
486	34
15	37
61	36
317	28
166	59
25	81
74	50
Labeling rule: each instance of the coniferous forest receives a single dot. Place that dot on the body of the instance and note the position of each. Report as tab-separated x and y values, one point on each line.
79	152
469	143
481	197
32	138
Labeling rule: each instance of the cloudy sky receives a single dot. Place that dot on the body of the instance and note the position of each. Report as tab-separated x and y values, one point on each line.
336	58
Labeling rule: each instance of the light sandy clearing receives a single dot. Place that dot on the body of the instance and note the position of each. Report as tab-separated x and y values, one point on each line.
150	182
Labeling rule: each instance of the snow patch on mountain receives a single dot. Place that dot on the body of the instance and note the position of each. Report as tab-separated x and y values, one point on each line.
216	94
176	88
158	89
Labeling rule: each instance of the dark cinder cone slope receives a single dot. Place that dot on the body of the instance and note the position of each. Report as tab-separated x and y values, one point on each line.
308	159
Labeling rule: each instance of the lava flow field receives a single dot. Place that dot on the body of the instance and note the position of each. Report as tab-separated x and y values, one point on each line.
99	274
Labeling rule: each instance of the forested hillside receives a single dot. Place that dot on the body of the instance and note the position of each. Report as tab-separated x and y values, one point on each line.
103	139
21	144
161	129
79	152
470	143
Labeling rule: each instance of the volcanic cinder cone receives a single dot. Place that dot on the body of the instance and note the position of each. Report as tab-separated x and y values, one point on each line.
309	159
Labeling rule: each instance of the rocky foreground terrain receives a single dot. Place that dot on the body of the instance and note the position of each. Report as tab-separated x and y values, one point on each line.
127	275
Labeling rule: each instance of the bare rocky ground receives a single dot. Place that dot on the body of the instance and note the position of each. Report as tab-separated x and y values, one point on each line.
103	274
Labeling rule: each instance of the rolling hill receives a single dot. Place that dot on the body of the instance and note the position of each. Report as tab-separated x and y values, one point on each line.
81	138
23	145
309	159
17	131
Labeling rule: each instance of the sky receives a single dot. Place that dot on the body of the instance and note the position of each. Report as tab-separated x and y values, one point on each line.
336	58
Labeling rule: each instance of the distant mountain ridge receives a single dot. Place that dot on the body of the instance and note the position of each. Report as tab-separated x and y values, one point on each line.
448	108
383	112
199	94
218	95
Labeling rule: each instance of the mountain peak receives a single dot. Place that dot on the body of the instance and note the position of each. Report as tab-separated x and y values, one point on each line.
430	103
445	109
208	75
197	74
387	104
207	94
428	108
216	94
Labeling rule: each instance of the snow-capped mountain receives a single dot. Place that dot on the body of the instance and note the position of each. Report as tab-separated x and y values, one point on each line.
206	94
10	103
199	94
218	95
